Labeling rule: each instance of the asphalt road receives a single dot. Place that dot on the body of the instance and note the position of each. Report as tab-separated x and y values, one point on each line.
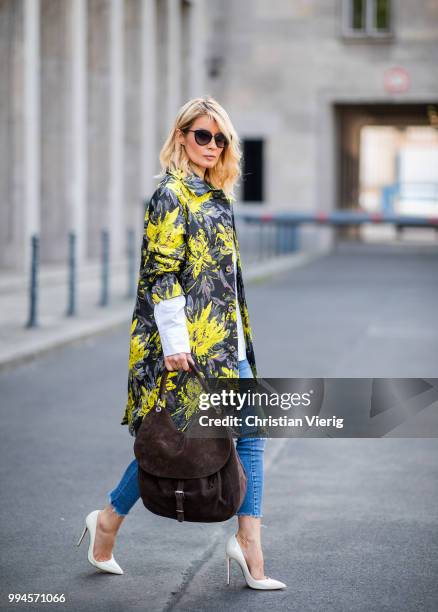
349	524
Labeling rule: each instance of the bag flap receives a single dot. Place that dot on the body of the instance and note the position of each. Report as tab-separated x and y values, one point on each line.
164	451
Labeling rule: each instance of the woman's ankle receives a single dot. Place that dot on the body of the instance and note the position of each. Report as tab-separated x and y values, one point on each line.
110	520
248	538
249	529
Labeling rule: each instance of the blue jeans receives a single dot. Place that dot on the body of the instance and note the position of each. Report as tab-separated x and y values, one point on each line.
250	451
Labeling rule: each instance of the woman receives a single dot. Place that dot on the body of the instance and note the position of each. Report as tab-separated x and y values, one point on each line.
190	303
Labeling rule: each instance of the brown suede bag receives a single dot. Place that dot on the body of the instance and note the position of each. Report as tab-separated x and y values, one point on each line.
197	479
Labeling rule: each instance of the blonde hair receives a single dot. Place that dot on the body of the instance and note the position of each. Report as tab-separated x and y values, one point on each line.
173	156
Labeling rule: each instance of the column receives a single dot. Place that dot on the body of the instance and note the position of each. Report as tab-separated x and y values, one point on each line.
31	117
196	64
174	67
78	126
149	153
116	151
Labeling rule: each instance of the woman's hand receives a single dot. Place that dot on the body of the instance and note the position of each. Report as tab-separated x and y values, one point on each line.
179	361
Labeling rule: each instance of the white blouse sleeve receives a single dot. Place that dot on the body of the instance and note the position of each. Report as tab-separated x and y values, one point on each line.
170	318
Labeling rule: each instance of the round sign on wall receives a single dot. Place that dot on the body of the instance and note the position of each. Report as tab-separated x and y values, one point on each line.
396	80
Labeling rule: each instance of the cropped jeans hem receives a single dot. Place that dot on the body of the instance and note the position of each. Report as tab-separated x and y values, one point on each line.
115	506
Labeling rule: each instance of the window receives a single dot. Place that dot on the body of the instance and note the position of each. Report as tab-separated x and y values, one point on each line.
357	15
382	15
366	18
252	171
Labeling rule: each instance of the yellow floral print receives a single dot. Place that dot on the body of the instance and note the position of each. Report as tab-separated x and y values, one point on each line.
150	396
200	249
189	400
166	235
228	373
206	332
224	238
186	250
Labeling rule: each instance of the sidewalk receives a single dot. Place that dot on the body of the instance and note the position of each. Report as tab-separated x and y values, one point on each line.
18	343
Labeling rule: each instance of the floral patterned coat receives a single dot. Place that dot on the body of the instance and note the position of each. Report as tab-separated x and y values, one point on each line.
186	249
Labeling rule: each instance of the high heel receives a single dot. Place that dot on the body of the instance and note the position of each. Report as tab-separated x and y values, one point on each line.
233	551
110	565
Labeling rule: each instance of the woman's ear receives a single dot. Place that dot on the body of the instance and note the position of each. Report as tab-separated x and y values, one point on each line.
180	136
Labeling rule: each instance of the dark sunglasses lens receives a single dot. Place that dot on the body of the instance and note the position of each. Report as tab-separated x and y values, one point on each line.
202	137
221	141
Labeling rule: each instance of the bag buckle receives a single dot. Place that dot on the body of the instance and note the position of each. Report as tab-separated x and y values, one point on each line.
179	494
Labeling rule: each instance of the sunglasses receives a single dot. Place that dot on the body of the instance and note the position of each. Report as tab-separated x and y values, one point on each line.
203	137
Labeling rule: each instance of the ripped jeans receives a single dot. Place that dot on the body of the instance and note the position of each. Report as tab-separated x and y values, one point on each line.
251	453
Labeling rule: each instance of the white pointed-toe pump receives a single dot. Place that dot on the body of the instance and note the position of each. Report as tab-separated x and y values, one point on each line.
110	565
233	551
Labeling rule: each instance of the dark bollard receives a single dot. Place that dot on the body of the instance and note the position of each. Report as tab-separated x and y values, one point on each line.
104	298
131	264
71	297
33	287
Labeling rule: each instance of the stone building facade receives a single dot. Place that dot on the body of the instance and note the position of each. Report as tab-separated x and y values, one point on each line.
89	89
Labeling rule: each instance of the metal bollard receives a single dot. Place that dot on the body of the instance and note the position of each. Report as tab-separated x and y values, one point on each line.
104	297
33	287
71	297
